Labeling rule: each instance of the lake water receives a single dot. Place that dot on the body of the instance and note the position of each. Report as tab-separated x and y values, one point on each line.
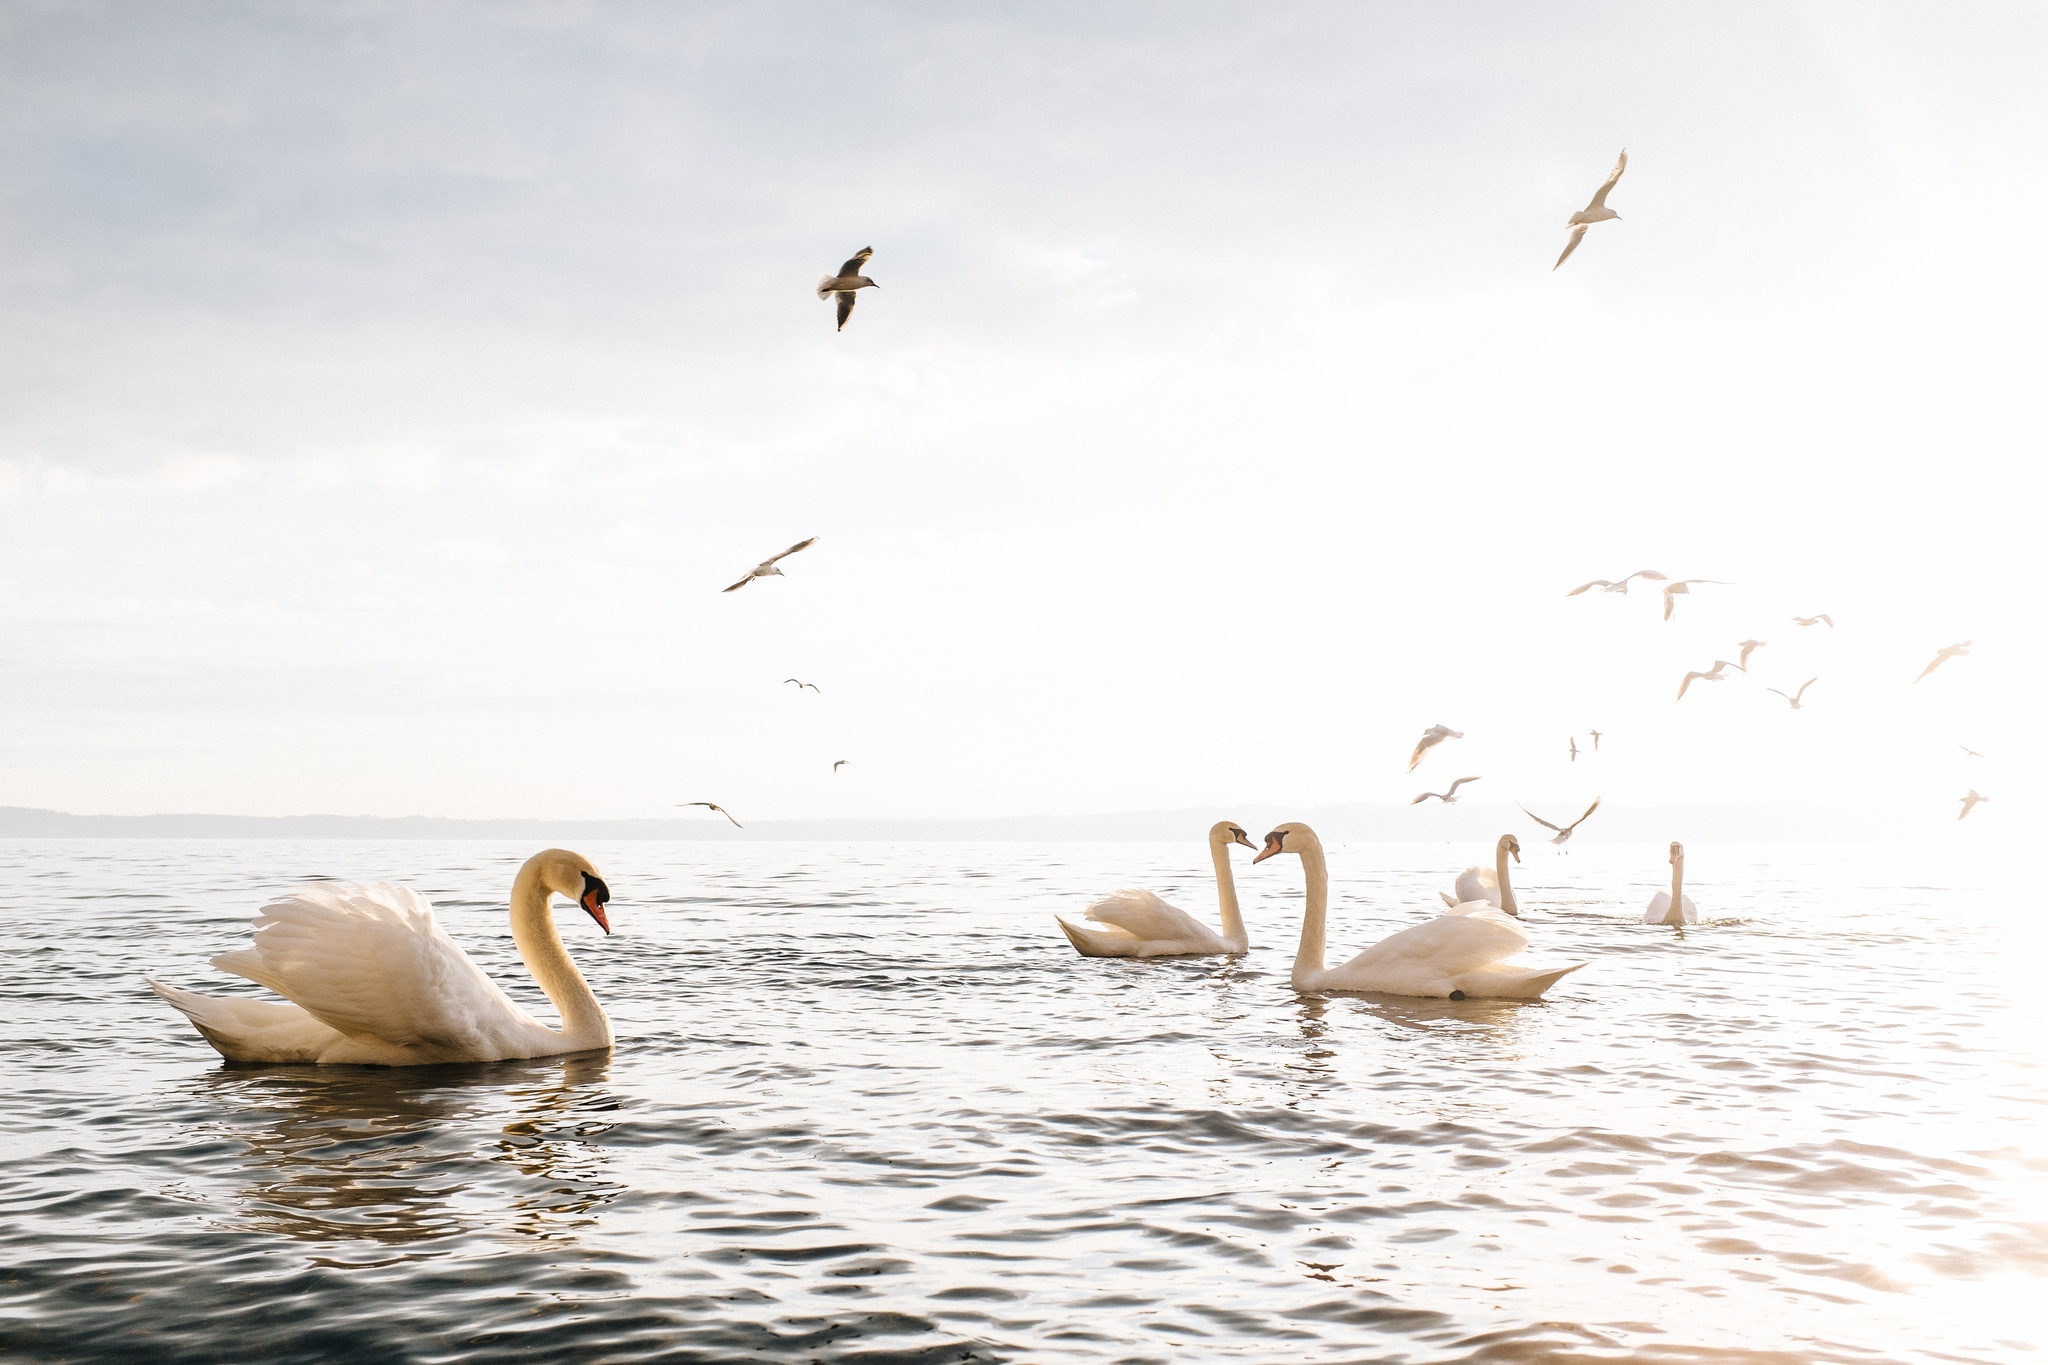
867	1105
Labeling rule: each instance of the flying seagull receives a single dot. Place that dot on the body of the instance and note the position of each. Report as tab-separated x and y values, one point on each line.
1564	832
766	568
840	764
1821	620
1749	647
1968	750
1713	674
800	686
1449	798
1619	585
1943	655
713	805
1683	585
1595	212
1596	740
1970	803
845	282
1575	748
1793	697
1433	736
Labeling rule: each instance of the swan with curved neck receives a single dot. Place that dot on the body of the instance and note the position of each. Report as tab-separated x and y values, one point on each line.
1459	954
1480	886
375	981
1139	924
1673	906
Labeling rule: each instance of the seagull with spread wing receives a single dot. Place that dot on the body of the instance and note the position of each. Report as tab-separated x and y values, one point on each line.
800	686
1574	741
842	285
1821	620
1968	750
1749	647
1943	655
1596	740
1683	586
1595	212
1618	585
1713	674
766	568
1564	832
1433	736
712	805
1793	697
1970	803
1449	798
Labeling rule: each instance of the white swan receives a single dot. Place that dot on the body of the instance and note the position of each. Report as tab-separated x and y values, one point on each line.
1482	884
1139	924
376	981
1673	906
1457	955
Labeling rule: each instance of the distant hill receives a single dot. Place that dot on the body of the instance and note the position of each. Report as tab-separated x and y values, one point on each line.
1465	822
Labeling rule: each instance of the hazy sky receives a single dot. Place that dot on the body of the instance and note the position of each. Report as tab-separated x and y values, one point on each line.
389	389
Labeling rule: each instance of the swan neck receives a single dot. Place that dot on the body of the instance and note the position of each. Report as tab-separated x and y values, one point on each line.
1677	886
1500	878
1308	959
584	1024
1226	891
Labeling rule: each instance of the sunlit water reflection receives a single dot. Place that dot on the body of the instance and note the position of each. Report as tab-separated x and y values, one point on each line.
868	1106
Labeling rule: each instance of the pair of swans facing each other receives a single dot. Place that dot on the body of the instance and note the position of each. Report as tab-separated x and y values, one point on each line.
1477	884
374	980
1460	954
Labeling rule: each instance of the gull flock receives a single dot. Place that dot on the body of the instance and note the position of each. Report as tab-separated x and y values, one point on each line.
371	978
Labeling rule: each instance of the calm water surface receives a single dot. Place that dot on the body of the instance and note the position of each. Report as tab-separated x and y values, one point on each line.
867	1105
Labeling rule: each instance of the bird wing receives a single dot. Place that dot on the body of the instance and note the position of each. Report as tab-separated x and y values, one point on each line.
741	584
372	960
1803	686
1825	617
840	764
1459	783
1669	600
800	545
1582	819
1421	748
1477	884
1596	583
1145	915
1573	245
1939	659
847	298
1600	195
793	680
1649	573
860	258
1537	818
1786	695
1681	692
1424	797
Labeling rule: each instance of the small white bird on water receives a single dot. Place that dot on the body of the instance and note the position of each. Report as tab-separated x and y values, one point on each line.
1433	736
1595	212
1713	674
1684	585
1970	803
842	285
1618	585
1564	832
1821	620
712	805
1793	697
766	568
1943	655
1449	798
1749	647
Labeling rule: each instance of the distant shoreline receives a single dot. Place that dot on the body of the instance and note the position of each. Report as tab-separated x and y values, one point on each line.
1357	822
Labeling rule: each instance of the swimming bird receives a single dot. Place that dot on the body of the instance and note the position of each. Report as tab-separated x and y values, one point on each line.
1596	740
374	980
1564	833
1673	906
1968	750
800	686
1793	697
766	568
1821	620
842	285
1594	212
1139	924
1684	586
712	805
1449	798
1617	585
1461	954
1970	803
1943	655
1483	884
840	764
1433	736
1713	674
1574	741
1749	647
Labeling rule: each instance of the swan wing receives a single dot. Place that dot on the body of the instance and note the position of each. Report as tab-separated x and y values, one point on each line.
1450	944
1145	916
372	961
1477	884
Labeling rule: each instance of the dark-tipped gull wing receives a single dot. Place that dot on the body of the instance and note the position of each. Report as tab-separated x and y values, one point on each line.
860	258
847	298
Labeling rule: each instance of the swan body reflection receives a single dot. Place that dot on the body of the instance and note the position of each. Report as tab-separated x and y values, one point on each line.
375	981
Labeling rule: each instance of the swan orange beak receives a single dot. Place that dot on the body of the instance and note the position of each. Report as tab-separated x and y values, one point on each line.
1272	847
1516	854
591	903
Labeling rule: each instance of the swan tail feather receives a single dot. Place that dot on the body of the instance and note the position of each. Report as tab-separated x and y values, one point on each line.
1096	942
250	1030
